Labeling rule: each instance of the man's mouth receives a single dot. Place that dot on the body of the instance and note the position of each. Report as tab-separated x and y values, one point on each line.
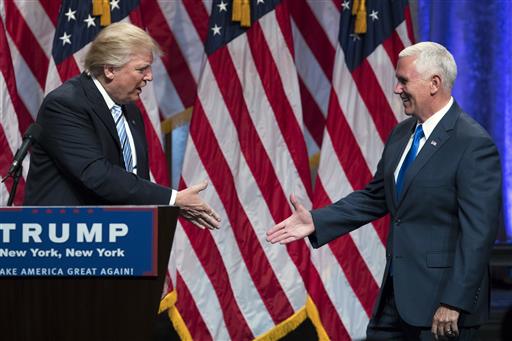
404	98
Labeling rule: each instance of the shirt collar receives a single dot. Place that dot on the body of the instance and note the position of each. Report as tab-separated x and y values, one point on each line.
108	100
430	124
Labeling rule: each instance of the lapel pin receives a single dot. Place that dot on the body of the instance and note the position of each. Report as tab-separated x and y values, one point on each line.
433	142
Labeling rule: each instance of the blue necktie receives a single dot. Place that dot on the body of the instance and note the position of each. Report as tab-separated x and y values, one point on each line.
409	158
117	114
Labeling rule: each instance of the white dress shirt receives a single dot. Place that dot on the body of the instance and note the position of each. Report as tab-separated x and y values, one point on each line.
428	127
110	103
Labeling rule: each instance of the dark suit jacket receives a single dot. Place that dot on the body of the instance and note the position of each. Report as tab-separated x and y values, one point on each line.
78	159
443	227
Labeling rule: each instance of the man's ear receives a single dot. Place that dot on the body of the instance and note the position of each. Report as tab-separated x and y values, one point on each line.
435	84
108	71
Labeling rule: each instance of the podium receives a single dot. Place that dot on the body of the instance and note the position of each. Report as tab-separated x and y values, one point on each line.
87	307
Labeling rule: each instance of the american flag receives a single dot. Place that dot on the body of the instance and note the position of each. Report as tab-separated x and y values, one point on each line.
298	79
44	42
246	138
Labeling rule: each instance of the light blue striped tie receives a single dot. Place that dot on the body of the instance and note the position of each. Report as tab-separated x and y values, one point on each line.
119	119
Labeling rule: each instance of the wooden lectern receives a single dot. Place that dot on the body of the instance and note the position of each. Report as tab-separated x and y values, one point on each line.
87	308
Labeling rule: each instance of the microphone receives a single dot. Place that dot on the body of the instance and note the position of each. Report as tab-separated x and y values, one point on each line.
32	134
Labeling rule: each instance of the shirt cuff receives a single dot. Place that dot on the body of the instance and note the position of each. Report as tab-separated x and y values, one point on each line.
173	197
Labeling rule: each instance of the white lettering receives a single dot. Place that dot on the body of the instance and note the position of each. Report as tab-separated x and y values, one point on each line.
110	253
117	230
42	272
12	253
31	230
6	232
78	253
8	271
116	271
52	233
83	234
81	271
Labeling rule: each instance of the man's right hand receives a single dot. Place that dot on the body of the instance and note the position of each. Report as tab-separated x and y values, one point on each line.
195	209
297	226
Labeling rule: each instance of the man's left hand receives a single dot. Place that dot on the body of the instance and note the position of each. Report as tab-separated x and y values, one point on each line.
444	323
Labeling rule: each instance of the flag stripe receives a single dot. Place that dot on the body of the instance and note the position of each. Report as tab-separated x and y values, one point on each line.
173	60
248	298
352	314
359	120
199	16
275	93
385	75
26	85
41	27
282	17
326	14
5	161
22	36
408	23
11	138
261	271
374	99
23	117
220	175
313	116
156	154
210	298
51	8
346	147
246	186
328	314
191	312
366	239
189	40
314	36
391	45
68	68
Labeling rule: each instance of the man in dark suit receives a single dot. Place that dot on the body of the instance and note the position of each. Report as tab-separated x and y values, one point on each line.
439	178
92	150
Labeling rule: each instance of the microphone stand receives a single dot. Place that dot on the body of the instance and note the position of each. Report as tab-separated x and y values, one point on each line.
16	177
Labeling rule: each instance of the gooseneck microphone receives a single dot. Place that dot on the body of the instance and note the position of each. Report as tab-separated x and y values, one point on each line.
32	134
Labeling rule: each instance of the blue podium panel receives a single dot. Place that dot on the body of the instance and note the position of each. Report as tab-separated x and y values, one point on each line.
78	241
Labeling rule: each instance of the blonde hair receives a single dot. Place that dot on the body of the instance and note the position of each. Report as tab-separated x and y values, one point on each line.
433	58
115	45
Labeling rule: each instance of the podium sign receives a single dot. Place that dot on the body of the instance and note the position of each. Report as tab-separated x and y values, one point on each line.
78	241
76	304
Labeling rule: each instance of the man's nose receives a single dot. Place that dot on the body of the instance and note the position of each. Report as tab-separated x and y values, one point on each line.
148	77
398	88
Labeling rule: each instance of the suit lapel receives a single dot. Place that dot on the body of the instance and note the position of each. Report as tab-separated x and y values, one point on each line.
439	136
396	149
99	107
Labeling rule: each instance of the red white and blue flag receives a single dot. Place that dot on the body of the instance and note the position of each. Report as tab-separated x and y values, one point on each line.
271	98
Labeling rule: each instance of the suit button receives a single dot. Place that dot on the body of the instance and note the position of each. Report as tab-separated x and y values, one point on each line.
397	221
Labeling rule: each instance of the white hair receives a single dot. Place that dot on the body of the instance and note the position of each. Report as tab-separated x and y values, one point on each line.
115	45
433	59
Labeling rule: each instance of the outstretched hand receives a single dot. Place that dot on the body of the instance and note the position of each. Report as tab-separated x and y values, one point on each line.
194	209
295	227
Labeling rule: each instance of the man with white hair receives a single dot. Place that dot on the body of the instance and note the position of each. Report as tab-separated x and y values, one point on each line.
439	178
93	150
